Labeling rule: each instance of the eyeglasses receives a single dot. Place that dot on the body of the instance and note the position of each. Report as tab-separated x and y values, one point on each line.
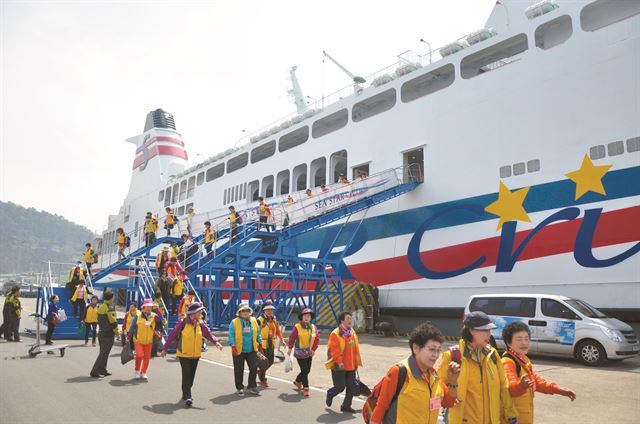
435	351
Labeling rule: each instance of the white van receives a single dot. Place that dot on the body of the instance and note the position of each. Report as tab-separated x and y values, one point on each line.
560	326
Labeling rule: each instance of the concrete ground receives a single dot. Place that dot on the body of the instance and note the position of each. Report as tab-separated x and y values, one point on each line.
49	387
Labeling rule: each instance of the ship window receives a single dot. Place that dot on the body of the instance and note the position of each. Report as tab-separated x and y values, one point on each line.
338	163
224	198
428	83
267	186
181	211
244	191
533	165
299	177
253	190
293	139
633	144
361	171
518	168
215	172
413	161
282	182
505	171
238	188
330	123
493	57
264	151
160	195
191	187
183	190
601	13
615	148
174	197
237	162
374	105
200	179
554	32
135	230
167	197
318	172
597	152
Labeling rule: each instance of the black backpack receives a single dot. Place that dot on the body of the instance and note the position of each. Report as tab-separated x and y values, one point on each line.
127	241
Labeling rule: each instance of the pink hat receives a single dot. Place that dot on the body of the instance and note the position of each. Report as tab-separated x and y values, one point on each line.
148	302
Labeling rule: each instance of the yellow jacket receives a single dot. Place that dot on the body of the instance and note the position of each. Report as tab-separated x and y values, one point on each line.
209	235
91	315
151	225
237	330
476	380
85	296
89	256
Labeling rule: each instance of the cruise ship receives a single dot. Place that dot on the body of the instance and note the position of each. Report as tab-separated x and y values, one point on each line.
526	134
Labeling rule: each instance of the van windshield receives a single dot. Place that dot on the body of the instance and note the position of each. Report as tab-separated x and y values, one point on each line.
585	309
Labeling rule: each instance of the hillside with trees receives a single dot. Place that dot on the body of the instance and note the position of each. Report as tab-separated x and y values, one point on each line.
28	237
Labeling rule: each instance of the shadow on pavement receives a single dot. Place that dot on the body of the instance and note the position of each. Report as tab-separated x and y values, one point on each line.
82	379
227	399
167	408
289	398
335	417
124	383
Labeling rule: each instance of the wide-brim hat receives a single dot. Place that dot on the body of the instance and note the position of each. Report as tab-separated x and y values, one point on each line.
148	302
244	307
165	249
268	306
306	311
194	308
478	320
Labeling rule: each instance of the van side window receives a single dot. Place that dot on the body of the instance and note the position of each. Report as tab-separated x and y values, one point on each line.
554	309
506	306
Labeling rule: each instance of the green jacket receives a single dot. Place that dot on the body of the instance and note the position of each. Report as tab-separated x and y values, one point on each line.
107	319
14	305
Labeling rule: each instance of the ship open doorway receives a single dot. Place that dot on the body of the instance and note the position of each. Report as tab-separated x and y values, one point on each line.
413	162
254	189
338	165
282	182
318	172
361	171
299	177
267	186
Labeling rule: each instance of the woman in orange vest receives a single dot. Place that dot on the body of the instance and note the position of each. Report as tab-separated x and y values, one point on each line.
188	335
523	381
421	394
269	330
304	338
264	212
343	352
144	327
162	260
209	238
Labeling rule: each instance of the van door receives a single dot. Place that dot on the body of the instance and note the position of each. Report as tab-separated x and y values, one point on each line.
557	334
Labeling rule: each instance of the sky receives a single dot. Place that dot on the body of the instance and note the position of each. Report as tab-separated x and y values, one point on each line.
78	78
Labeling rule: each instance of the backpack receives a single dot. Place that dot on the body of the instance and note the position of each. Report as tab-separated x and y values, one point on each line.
238	218
372	399
127	241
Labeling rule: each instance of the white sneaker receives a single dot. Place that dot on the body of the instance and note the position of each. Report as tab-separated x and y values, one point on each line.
138	375
143	376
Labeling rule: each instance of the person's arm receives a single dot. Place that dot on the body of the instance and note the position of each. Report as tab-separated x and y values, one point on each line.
292	337
551	388
173	335
334	350
516	388
279	333
510	411
387	391
317	341
259	335
206	333
131	327
124	321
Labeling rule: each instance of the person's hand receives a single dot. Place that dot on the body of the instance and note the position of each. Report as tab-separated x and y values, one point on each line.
526	382
313	352
340	367
568	393
288	352
454	372
234	350
163	353
219	346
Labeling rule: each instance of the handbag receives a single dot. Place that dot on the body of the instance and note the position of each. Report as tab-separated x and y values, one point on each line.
288	363
361	388
82	328
126	355
62	315
263	361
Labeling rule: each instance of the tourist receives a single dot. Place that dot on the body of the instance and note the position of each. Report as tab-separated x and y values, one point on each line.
126	324
51	319
304	339
76	275
150	229
185	302
235	220
270	331
190	214
190	332
209	239
145	329
264	212
91	321
169	221
79	299
244	339
108	325
411	391
162	259
121	242
523	381
482	384
163	285
344	359
90	257
11	312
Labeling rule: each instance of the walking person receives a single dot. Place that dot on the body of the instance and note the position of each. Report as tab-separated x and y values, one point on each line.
264	212
270	331
79	299
235	220
304	339
90	257
209	239
163	285
169	221
411	391
76	275
185	302
145	328
150	229
189	334
121	241
51	318
162	259
244	339
177	290
108	330
91	321
482	384
524	382
190	214
343	352
126	325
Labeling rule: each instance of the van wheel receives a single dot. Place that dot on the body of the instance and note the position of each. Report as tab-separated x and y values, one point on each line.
591	353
